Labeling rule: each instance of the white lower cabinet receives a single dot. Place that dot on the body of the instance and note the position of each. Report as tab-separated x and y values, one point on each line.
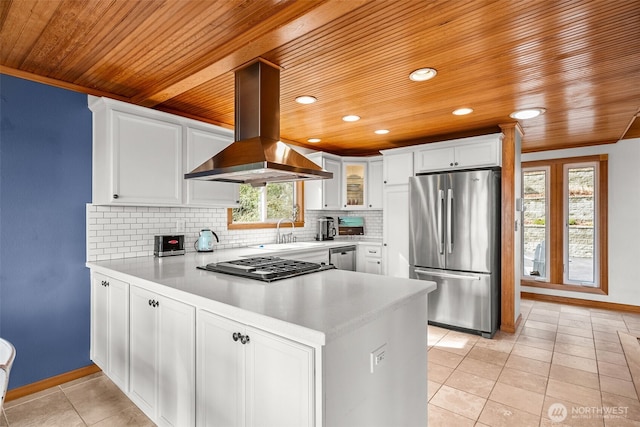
162	366
369	258
249	377
110	327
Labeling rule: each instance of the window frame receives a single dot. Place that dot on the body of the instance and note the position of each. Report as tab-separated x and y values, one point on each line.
547	232
299	194
566	219
556	246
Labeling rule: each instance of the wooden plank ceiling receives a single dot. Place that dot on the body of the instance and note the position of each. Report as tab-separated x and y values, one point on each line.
580	60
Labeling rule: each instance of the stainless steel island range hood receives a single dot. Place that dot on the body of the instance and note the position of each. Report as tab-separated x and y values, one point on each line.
258	156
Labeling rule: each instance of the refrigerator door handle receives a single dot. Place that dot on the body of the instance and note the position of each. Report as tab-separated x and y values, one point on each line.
449	220
440	220
446	275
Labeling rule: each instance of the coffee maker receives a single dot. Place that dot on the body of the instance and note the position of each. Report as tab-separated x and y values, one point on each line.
326	229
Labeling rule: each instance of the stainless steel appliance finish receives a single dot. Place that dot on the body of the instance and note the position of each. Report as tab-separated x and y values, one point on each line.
258	156
454	233
168	245
266	269
326	229
343	258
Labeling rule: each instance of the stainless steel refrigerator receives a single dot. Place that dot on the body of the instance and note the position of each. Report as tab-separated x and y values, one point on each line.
454	234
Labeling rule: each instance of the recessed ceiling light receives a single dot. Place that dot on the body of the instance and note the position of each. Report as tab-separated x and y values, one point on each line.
529	113
381	131
313	140
351	118
306	99
463	111
423	74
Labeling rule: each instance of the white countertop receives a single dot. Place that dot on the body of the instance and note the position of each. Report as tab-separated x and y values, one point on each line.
312	308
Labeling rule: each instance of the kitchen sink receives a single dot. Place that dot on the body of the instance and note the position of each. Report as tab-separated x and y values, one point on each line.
285	246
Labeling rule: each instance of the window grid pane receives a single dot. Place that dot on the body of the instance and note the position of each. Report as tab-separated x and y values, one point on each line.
535	224
265	204
580	223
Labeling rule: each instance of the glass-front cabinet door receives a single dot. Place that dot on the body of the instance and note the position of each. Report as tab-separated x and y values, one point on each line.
354	190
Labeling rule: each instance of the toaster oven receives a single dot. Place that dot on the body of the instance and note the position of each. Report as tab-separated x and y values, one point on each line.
168	245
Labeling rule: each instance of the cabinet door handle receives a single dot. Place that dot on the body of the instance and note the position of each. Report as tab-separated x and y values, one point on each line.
115	196
244	339
456	163
154	303
450	164
150	303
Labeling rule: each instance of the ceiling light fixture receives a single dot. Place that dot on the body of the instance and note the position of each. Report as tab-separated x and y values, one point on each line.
351	118
529	113
422	74
313	140
463	111
381	131
306	99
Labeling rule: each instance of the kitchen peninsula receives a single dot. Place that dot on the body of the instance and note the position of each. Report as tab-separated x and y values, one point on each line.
189	346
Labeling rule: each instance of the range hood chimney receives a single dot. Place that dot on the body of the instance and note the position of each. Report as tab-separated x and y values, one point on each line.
258	156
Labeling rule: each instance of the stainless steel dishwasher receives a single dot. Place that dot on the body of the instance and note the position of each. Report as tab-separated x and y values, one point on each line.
343	258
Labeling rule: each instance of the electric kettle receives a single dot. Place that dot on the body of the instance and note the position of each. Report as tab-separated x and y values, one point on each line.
205	241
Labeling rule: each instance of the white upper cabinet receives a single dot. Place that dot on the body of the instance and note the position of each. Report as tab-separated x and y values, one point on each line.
465	153
354	184
201	146
137	159
324	194
374	183
140	157
397	167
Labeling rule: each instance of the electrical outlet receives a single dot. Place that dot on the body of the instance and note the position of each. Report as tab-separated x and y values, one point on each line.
378	357
180	226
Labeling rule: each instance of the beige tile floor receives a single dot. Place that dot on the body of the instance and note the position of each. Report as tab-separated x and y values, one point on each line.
561	354
90	401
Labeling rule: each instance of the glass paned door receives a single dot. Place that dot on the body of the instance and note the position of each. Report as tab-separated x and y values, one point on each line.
580	224
355	181
536	223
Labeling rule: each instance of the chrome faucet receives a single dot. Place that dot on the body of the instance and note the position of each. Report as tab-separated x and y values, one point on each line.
286	238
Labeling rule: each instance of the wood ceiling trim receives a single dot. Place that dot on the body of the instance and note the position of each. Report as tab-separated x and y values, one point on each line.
58	83
310	21
633	128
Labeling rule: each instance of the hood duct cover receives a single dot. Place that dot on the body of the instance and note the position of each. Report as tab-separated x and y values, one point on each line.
258	156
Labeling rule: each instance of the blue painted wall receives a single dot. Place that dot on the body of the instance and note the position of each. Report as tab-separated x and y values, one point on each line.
45	182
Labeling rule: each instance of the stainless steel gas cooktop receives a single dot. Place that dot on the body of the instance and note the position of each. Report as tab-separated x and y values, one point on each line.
266	269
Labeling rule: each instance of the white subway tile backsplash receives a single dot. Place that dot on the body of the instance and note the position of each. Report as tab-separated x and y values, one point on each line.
127	231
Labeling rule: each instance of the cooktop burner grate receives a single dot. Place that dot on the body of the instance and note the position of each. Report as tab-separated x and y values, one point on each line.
266	269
